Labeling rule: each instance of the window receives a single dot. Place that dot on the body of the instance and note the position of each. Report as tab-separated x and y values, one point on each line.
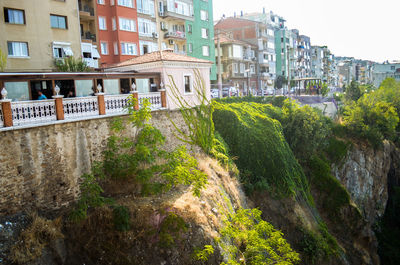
104	48
127	24
128	48
188	83
115	48
242	67
237	51
102	23
100	2
235	68
204	33
206	51
146	27
189	28
61	50
112	2
190	47
17	49
392	67
252	69
203	15
14	16
127	3
114	24
146	7
58	22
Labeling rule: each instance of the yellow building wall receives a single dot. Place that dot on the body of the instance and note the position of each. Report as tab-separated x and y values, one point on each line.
38	32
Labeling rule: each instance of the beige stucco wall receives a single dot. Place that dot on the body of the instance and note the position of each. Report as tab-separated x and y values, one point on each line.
177	70
40	167
38	33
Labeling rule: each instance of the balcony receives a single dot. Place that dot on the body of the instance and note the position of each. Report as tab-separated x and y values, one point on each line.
175	35
86	12
88	37
94	63
171	12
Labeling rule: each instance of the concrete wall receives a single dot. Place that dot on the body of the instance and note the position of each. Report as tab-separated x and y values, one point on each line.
40	167
38	32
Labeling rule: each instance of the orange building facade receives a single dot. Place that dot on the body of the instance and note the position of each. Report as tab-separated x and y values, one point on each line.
117	30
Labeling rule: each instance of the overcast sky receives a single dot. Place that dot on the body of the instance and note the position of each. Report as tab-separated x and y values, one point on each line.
364	29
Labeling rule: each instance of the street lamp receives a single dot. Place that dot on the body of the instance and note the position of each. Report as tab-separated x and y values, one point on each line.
4	93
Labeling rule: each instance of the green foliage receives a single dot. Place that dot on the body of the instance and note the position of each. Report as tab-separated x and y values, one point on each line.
171	230
138	159
336	149
90	197
121	218
371	118
324	89
317	246
353	91
335	196
247	239
182	169
198	119
265	160
276	101
71	64
203	254
3	61
305	128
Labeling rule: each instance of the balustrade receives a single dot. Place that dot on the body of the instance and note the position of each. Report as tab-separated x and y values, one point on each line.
25	112
80	107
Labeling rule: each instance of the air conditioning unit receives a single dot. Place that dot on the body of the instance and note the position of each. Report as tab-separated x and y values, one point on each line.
155	35
171	42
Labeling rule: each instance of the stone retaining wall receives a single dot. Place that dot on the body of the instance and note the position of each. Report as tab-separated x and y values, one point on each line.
40	167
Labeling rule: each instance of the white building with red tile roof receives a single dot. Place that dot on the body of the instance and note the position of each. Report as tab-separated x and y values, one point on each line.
179	68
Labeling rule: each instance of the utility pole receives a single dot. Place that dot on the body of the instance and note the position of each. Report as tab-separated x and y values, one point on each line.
219	65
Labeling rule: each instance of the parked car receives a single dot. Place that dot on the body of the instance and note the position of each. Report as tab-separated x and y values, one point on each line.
214	93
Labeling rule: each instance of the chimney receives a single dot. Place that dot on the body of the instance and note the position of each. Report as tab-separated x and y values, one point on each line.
241	13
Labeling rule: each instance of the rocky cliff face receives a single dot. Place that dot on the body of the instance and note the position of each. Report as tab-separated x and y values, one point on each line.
364	173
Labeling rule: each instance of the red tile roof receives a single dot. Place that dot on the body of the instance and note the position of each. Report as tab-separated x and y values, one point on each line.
166	55
226	39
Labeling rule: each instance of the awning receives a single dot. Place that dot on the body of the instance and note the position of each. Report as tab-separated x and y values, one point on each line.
95	53
68	51
86	47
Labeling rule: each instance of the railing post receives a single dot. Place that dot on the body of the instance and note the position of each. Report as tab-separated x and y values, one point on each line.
7	112
163	98
59	107
101	103
135	94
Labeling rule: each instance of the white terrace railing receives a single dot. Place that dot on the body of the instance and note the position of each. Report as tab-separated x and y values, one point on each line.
154	98
25	112
80	107
44	111
1	118
116	103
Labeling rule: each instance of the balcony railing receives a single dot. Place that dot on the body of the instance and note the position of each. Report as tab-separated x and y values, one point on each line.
86	8
173	12
48	111
175	35
89	36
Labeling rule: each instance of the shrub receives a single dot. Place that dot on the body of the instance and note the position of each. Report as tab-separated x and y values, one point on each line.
171	230
71	64
264	158
121	218
247	239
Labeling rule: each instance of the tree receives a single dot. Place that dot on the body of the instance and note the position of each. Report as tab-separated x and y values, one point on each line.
280	81
353	91
3	61
71	64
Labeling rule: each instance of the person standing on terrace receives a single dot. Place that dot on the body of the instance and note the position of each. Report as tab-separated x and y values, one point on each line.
41	95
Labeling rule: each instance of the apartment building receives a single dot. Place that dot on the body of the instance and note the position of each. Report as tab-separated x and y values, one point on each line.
238	63
148	27
258	34
200	34
88	30
118	30
385	70
304	56
173	15
35	33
